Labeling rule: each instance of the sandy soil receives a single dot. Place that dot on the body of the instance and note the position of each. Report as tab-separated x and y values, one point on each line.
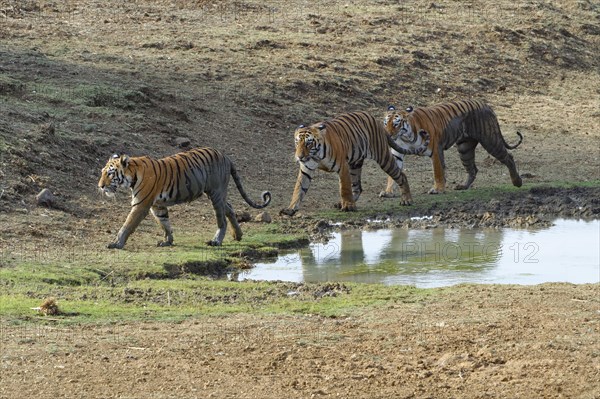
471	342
82	80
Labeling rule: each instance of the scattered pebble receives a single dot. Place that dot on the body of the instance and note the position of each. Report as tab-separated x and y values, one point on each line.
263	217
46	198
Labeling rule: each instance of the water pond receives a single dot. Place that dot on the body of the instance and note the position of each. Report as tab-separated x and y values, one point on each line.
569	251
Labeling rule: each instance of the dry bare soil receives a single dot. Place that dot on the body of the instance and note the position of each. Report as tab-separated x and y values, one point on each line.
82	80
474	342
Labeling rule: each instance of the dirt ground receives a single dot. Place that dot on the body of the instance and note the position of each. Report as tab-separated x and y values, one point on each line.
471	342
82	80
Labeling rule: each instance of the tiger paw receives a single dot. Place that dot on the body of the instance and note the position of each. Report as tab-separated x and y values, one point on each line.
287	212
387	194
348	207
164	243
237	235
461	187
435	191
517	181
213	243
115	245
406	201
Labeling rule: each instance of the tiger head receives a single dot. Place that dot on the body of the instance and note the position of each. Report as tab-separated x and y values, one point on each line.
396	121
115	174
398	126
308	142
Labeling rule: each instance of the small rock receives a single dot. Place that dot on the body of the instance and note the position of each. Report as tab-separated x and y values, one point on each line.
181	142
45	198
48	129
487	216
420	55
263	217
90	127
243	217
321	226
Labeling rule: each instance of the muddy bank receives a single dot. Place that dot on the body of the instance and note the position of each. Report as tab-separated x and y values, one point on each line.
537	207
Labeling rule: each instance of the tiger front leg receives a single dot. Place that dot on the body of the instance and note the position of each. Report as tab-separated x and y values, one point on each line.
136	215
406	197
161	214
305	176
389	189
439	174
355	178
347	203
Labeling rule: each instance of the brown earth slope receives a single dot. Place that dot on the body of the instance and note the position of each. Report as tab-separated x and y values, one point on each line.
82	80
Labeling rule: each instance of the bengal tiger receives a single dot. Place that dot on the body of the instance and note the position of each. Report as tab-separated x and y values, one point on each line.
341	145
159	183
465	123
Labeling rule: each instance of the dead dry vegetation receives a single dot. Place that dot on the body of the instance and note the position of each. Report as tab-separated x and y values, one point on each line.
82	80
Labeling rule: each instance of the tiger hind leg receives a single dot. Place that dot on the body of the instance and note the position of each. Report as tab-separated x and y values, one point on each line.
230	214
466	150
509	161
161	214
499	152
219	207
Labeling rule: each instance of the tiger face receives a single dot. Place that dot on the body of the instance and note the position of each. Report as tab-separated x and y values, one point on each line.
396	123
400	129
114	175
308	143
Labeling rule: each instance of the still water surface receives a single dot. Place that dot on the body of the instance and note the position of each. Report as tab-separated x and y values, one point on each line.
569	251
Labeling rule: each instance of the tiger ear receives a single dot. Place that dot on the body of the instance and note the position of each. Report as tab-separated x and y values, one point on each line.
409	108
115	156
301	126
321	126
124	160
391	108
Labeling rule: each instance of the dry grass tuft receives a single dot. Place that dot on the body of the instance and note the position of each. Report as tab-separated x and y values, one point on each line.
49	307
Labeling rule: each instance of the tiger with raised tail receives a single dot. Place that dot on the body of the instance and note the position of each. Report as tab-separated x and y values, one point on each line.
159	183
341	145
465	123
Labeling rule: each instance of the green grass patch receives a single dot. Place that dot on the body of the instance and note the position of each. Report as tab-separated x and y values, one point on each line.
147	283
10	86
155	300
87	264
3	145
